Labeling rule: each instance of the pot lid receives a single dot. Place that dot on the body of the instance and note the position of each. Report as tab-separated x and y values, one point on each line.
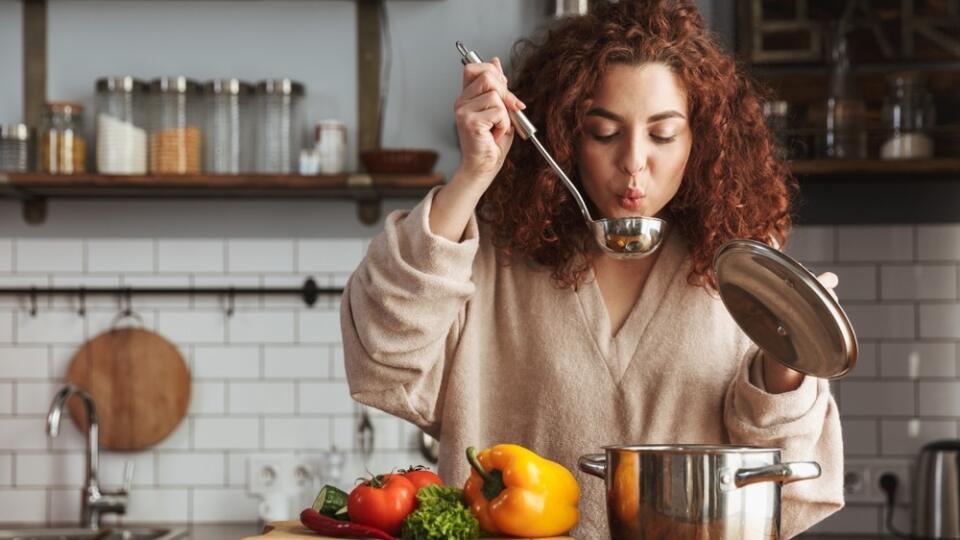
784	309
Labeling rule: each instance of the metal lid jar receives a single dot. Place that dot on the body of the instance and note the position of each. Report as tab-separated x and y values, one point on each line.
121	126
228	133
280	125
62	148
176	136
16	148
908	117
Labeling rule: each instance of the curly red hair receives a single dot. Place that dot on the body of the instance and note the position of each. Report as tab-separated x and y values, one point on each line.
735	184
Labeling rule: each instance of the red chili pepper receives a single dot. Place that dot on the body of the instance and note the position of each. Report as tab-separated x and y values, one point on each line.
317	522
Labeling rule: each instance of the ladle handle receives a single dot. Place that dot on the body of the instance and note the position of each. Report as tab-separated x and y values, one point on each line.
520	121
526	130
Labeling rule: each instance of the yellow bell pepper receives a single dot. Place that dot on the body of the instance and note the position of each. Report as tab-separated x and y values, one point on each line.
514	491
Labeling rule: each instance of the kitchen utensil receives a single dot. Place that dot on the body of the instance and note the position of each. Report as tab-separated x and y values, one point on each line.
694	491
140	383
623	238
429	448
936	494
785	309
293	529
365	436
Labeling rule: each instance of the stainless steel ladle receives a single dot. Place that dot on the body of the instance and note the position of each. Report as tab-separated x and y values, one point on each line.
623	238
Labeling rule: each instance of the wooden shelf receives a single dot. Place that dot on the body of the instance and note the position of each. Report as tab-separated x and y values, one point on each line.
867	192
875	167
33	189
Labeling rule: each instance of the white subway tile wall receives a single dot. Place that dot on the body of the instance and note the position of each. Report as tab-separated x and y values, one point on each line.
269	381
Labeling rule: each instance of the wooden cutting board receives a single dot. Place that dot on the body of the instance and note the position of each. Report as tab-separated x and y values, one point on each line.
293	529
138	380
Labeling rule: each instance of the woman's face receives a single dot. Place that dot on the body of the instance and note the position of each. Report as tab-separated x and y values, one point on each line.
636	141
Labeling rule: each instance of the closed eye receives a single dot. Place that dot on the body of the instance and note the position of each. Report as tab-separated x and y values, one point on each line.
604	138
663	140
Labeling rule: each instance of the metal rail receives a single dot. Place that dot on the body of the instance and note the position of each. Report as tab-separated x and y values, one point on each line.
309	292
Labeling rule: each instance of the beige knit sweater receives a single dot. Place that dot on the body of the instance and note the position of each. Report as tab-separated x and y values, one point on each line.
479	353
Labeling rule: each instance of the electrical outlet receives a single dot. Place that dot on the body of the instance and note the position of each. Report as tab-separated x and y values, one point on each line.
270	475
856	483
861	482
904	486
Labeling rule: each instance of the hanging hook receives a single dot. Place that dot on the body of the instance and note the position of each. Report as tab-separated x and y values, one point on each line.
83	302
126	309
33	301
127	302
231	301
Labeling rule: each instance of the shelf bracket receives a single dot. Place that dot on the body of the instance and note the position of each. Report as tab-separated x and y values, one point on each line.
34	210
368	201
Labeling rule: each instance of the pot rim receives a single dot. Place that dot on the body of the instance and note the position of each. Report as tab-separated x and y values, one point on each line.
692	448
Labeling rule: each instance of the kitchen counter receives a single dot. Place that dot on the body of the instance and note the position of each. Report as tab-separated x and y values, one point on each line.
223	531
843	536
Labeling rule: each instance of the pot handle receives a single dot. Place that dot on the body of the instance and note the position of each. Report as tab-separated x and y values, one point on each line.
781	472
595	464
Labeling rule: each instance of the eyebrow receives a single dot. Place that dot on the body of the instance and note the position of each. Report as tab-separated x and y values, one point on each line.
604	113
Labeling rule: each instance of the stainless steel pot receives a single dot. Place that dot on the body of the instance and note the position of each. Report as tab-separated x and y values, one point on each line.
694	491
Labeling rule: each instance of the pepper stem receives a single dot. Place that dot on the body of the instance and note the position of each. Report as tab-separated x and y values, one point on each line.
492	481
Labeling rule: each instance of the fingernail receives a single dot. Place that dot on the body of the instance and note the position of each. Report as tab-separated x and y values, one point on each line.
521	104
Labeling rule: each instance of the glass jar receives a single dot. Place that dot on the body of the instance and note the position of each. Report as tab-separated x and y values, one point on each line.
121	126
908	116
330	140
280	125
845	136
228	145
16	148
176	136
62	148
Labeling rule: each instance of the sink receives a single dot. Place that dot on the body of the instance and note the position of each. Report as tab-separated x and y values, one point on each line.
118	533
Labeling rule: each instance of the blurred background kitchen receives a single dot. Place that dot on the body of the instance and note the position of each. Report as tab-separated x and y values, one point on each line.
194	167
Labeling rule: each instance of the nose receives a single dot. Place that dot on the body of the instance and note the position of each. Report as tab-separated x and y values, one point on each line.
633	159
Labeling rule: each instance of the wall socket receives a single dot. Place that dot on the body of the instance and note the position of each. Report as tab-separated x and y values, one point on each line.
861	482
267	476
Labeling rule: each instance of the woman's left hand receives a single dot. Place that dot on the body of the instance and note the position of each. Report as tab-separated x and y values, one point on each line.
778	378
830	281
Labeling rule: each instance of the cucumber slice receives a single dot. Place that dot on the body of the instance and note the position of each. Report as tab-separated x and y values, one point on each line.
341	514
330	500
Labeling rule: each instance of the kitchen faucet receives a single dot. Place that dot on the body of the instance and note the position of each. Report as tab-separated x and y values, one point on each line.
94	502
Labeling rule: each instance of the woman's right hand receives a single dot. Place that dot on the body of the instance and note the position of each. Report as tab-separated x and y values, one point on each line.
483	122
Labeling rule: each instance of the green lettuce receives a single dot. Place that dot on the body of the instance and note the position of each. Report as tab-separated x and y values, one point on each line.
441	515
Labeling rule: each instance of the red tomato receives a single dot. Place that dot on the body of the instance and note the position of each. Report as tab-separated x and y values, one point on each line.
421	477
382	502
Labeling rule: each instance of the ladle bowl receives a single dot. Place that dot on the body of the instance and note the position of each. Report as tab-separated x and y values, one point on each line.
622	238
629	238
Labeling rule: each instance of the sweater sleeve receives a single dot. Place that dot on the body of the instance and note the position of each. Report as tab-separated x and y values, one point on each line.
400	315
805	424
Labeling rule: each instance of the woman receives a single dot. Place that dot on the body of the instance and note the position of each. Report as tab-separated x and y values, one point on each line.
487	314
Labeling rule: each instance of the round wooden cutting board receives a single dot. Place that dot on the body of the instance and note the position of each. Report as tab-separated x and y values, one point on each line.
140	383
